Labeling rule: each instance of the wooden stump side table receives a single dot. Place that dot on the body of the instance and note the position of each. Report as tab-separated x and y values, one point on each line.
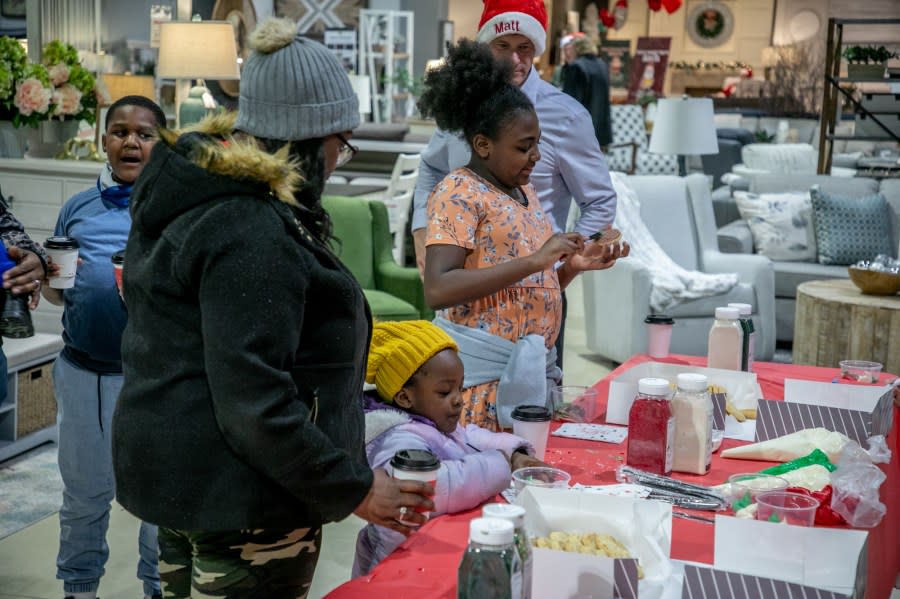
835	321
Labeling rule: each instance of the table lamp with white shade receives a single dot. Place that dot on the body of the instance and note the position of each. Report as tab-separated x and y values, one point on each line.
196	50
684	126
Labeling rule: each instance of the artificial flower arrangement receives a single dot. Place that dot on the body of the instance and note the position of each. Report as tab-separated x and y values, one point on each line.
58	87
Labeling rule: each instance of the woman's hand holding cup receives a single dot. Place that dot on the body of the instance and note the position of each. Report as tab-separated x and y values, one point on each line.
391	500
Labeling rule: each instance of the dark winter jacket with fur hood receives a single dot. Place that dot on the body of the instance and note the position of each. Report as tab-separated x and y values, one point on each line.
245	350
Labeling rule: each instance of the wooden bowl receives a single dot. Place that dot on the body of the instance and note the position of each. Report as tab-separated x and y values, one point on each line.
873	282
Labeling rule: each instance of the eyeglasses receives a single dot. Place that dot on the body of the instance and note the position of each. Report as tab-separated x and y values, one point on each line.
346	152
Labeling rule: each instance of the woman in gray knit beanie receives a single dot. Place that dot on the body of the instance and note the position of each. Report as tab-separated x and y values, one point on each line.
240	429
294	89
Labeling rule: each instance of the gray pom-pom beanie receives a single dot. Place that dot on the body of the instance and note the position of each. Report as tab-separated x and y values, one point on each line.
293	88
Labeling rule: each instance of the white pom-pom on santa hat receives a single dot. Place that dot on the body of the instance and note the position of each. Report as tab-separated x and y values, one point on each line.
524	17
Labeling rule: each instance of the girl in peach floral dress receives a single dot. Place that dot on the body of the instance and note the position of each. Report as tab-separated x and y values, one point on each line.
493	268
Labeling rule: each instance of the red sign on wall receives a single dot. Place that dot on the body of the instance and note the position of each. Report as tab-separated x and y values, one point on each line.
648	67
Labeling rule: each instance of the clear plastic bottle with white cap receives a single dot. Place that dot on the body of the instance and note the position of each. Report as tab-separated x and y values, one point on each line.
651	427
726	340
693	411
749	334
490	567
516	515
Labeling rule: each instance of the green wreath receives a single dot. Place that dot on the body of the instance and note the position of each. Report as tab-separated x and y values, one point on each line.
716	30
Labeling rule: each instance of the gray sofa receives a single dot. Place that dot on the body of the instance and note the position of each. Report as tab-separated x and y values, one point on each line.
735	237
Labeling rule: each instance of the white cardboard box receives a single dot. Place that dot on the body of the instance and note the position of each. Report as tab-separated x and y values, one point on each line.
742	387
831	559
643	526
858	411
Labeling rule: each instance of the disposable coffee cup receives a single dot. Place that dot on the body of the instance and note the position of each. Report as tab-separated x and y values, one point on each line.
532	423
416	464
659	334
64	252
118	262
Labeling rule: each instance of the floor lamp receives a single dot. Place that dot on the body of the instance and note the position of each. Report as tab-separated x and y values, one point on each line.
684	126
196	50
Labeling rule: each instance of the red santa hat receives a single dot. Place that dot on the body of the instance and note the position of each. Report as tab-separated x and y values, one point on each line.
524	17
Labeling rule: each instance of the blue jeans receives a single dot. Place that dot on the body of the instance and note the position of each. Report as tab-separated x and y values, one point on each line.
86	402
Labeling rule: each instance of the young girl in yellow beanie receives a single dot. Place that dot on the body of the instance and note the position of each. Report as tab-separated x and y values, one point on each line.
418	380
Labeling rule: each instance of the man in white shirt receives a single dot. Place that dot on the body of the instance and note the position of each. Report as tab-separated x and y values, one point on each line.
571	165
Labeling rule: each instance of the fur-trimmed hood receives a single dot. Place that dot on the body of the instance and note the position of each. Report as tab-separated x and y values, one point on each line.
380	421
206	161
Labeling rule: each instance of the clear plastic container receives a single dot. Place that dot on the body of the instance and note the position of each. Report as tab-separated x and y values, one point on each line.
786	507
745	488
572	403
860	370
539	476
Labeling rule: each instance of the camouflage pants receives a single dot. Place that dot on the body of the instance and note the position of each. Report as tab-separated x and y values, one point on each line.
241	564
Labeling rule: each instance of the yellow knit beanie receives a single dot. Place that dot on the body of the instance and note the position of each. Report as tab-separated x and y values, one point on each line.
398	350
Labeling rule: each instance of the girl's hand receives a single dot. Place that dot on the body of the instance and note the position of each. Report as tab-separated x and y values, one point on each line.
598	256
558	248
522	460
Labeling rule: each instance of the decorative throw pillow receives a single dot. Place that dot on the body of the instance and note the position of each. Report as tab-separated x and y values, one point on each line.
850	229
780	223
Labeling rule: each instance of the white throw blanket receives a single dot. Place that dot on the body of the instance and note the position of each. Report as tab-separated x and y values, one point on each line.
670	284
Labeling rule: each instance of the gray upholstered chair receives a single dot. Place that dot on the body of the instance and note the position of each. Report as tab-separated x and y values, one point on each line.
678	212
628	150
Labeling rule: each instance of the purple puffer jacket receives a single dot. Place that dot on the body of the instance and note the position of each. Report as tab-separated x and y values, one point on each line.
473	468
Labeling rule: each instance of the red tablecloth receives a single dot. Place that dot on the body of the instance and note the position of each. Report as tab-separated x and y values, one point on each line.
425	565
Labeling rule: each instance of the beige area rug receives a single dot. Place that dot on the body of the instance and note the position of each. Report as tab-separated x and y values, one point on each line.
30	489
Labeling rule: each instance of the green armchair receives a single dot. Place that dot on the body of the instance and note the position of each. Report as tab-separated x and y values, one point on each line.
364	244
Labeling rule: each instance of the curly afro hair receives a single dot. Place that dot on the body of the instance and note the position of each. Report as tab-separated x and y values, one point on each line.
471	92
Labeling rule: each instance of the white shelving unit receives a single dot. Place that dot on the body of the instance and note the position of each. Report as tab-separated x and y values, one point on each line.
385	52
28	415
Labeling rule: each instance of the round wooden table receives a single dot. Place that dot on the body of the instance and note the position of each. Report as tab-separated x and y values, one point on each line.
835	321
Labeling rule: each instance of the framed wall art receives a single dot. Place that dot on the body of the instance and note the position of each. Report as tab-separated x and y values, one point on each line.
710	24
13	8
315	16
